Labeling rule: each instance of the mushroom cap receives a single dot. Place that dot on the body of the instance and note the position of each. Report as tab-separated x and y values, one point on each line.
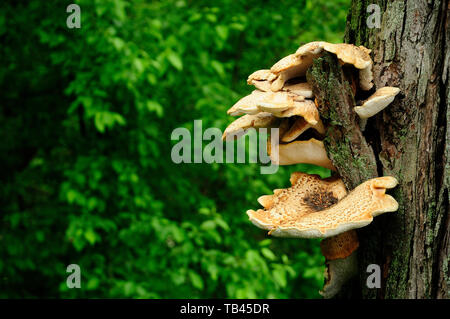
260	75
247	104
290	67
301	125
295	65
307	109
377	102
351	54
300	152
302	89
264	85
240	125
288	62
261	79
340	246
316	208
274	102
359	57
311	48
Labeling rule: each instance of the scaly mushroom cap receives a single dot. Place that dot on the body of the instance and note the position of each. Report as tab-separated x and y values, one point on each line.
340	246
260	120
301	152
315	208
377	102
301	125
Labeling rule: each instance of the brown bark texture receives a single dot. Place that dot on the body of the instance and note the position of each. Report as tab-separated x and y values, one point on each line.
408	140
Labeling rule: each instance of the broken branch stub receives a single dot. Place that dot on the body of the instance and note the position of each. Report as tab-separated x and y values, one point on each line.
345	144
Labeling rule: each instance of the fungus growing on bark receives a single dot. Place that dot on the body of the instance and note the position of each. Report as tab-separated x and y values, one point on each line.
260	101
296	65
313	207
303	89
321	208
259	120
376	103
247	104
300	126
301	152
307	109
261	79
316	208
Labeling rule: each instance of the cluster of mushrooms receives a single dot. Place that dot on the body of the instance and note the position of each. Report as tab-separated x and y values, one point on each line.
313	207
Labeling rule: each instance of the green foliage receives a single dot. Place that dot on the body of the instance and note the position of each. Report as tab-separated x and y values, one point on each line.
87	178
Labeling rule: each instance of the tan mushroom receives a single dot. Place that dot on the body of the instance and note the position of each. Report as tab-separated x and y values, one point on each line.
274	102
313	207
377	102
307	109
291	66
296	65
247	103
259	120
302	89
261	79
310	49
316	208
357	56
300	126
301	152
348	53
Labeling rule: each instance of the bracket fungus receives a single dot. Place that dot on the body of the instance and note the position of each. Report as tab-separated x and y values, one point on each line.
295	65
314	207
376	103
320	208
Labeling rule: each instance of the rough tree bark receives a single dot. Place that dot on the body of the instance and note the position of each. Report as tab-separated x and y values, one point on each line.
409	140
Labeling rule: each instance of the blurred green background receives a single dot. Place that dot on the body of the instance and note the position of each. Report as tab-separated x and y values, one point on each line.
86	174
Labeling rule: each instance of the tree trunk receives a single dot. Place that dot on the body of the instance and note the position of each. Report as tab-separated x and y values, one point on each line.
410	140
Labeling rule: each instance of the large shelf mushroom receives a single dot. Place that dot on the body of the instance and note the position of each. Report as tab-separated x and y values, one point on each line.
321	208
314	207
